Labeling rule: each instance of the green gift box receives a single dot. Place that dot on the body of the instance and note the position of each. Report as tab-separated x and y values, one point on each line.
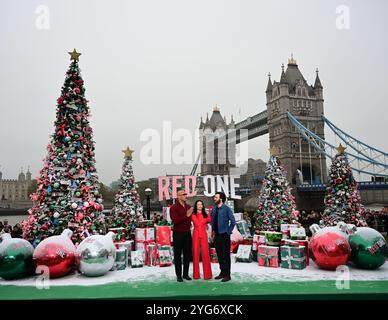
164	247
121	258
273	238
293	257
298	233
242	227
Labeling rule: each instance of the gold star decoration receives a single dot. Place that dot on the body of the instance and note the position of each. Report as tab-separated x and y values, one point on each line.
128	153
74	55
274	151
341	149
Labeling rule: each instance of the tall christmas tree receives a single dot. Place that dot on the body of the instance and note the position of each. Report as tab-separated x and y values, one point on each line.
67	194
342	200
127	210
276	203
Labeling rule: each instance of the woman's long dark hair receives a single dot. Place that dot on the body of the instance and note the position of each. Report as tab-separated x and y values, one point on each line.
203	208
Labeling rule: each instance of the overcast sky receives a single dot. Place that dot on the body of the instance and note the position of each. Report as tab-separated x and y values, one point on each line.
148	61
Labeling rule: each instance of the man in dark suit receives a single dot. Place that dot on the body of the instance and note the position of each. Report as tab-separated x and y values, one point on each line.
223	223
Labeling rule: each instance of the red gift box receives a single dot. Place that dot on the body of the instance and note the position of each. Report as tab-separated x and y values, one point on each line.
268	256
151	254
213	255
233	247
163	235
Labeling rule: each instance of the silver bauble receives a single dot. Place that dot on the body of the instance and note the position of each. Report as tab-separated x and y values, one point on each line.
96	255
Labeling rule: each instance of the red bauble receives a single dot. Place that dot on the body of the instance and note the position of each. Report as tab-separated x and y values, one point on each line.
329	248
56	253
56	257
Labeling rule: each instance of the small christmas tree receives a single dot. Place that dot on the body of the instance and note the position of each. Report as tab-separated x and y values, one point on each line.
342	200
67	193
276	203
127	210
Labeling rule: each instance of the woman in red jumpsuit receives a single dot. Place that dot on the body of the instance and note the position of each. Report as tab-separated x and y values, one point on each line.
200	220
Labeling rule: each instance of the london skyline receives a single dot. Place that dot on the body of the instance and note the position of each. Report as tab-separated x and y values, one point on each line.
167	59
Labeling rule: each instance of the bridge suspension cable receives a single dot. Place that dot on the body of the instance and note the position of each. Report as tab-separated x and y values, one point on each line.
358	146
366	165
194	169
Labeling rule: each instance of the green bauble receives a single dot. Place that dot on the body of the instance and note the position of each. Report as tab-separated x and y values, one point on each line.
15	258
369	248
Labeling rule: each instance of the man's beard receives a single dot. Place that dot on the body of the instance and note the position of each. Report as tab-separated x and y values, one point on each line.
218	201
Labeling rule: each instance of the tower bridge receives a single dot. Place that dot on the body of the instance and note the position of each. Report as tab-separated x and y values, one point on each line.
295	122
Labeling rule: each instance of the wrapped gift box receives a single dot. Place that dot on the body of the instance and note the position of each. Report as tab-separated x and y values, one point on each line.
120	233
144	234
289	242
305	244
137	259
258	240
151	254
268	256
242	227
163	235
298	233
285	229
293	257
238	216
255	242
234	247
273	238
165	259
121	261
166	214
213	255
165	247
129	245
244	253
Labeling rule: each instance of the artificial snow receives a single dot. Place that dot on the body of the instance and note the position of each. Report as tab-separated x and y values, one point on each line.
241	272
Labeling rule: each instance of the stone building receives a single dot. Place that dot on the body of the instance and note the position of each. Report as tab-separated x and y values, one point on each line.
218	155
14	192
253	175
292	93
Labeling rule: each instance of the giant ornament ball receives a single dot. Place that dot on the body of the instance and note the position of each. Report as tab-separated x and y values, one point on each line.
96	255
329	247
15	257
369	248
55	254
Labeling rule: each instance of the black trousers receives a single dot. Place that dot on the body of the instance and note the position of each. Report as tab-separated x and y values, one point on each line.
182	243
222	244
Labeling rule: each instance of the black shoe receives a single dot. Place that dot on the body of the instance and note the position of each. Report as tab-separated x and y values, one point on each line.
226	278
187	278
179	279
220	276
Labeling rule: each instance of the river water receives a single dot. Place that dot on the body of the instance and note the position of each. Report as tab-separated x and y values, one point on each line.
13	219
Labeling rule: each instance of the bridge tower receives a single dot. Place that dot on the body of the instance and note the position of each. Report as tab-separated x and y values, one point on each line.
292	93
217	155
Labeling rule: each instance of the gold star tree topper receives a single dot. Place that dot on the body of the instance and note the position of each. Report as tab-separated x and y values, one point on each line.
341	149
128	152
274	151
74	55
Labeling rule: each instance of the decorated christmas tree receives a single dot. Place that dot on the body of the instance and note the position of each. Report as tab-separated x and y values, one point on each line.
342	201
67	194
127	210
276	203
